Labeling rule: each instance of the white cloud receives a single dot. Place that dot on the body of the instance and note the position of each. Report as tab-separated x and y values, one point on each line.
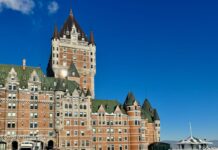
23	6
53	7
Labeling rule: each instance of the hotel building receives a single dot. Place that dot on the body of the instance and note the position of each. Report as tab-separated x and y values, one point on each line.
59	109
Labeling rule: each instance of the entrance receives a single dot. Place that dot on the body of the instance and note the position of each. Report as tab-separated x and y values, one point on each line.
14	145
50	145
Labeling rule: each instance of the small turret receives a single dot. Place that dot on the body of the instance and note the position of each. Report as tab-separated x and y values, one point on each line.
56	34
91	39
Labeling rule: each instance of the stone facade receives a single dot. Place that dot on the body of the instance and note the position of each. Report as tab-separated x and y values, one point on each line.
60	110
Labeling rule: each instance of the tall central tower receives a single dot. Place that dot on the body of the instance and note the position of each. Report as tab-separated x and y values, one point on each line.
73	55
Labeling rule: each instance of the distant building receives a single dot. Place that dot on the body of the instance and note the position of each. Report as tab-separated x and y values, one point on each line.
60	110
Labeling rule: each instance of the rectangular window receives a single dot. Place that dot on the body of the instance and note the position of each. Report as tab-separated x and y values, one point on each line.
67	133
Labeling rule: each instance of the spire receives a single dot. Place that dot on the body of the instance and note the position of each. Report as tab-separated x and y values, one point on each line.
56	34
92	40
130	99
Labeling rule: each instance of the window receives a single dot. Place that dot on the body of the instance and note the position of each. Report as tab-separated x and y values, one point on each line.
51	107
66	106
93	122
50	133
75	122
34	89
137	122
68	143
120	139
11	106
119	131
75	132
11	114
34	115
12	87
11	96
82	133
11	124
33	106
94	139
67	133
67	122
82	123
50	125
34	97
33	124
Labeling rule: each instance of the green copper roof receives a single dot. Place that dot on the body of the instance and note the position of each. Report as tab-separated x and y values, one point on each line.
109	105
130	99
23	75
148	112
156	116
48	83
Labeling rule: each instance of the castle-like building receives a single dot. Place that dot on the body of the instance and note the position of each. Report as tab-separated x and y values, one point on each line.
59	110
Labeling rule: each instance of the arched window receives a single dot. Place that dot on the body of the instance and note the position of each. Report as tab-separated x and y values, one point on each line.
75	106
81	107
84	106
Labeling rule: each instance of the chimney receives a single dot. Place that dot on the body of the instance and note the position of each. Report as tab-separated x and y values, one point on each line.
24	64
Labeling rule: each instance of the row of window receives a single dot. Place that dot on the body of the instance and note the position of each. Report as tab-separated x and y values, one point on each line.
70	106
111	138
94	122
110	130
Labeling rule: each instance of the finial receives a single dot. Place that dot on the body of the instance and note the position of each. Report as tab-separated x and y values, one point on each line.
56	34
92	40
71	12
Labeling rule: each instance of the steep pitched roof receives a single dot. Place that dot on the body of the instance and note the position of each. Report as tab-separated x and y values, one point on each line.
147	111
68	27
130	99
156	116
109	105
74	70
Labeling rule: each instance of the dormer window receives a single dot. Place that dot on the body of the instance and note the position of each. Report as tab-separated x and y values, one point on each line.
73	74
12	87
34	78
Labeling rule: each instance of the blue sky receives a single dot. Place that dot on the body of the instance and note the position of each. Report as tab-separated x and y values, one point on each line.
166	51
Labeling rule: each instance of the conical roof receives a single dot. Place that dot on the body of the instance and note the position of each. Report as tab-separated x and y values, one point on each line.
156	116
130	99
